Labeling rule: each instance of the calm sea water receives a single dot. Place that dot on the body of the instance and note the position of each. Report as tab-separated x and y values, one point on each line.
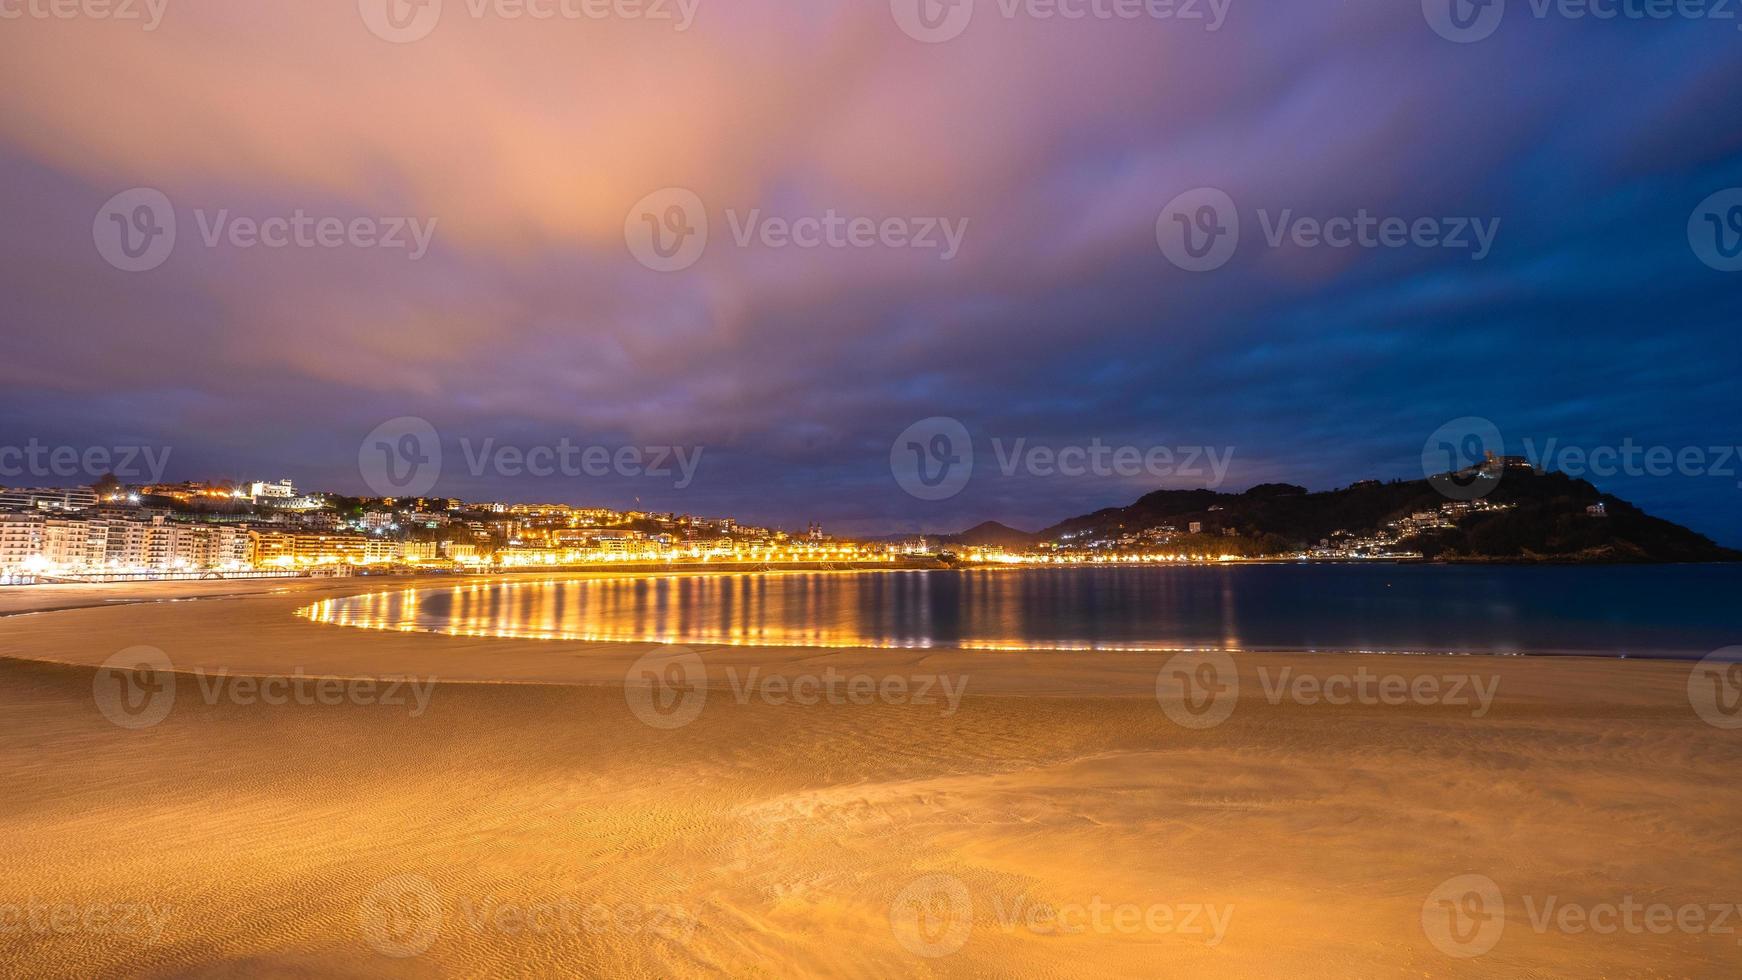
1637	611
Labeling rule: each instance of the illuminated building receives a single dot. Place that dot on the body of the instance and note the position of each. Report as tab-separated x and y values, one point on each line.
20	540
48	498
272	548
282	490
74	543
285	549
1494	464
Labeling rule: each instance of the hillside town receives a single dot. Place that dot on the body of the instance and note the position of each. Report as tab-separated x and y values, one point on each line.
1389	541
267	529
272	528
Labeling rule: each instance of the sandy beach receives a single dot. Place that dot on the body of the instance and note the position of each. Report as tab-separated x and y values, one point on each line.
323	800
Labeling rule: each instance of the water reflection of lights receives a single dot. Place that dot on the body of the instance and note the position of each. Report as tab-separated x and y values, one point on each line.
878	609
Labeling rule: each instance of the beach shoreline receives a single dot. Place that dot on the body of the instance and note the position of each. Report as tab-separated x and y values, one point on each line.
746	828
28	601
263	631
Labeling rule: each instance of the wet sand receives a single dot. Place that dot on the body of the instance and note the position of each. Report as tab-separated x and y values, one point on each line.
1050	819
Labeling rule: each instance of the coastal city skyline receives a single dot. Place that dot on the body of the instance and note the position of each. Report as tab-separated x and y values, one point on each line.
114	531
1039	483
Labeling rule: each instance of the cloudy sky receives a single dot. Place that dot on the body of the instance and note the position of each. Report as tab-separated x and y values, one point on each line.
532	152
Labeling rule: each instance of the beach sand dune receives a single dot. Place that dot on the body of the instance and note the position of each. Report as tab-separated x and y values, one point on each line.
546	829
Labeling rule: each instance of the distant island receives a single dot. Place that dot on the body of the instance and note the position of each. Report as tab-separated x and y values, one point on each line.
1523	516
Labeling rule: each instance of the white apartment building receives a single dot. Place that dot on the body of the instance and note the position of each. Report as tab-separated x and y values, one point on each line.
196	546
74	543
283	490
48	498
41	542
127	544
418	550
20	540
